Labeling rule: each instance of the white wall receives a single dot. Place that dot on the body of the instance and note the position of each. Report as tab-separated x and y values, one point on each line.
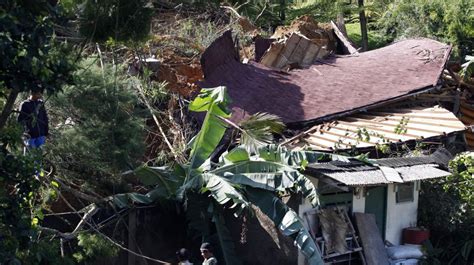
358	202
399	215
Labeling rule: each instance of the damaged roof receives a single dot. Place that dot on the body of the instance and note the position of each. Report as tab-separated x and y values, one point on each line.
379	127
336	85
383	171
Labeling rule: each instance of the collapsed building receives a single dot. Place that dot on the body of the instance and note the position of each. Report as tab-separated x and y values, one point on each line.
335	99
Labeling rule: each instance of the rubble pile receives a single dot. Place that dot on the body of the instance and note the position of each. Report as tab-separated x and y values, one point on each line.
300	44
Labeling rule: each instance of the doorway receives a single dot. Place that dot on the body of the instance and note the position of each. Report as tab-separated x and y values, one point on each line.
376	203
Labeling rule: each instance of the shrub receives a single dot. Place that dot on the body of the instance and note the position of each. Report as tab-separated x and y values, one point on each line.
98	130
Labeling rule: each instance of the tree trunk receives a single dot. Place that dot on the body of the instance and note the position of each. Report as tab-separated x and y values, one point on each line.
363	26
282	11
8	107
341	24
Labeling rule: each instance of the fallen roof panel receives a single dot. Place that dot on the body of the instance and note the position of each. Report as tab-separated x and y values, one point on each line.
330	87
378	128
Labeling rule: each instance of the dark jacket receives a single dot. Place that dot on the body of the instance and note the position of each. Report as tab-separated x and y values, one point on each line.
33	118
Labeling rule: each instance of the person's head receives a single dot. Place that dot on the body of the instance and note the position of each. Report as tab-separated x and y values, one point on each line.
182	254
36	94
206	250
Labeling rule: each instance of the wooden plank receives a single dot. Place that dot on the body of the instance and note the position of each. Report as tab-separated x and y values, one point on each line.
372	243
299	52
348	46
272	54
467	120
467	111
311	54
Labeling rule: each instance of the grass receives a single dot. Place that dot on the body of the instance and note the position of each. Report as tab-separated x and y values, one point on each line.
375	39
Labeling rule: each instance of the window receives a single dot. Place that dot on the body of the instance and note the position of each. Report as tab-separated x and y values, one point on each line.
405	192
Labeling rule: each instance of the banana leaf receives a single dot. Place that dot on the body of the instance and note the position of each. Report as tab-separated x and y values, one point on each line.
268	175
296	158
223	191
287	221
214	101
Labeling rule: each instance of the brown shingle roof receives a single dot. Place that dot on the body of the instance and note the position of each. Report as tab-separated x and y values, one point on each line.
335	85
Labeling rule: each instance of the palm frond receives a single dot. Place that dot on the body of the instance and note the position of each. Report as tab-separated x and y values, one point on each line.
258	130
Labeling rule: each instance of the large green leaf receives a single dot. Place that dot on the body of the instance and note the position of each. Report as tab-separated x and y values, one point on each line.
274	175
160	176
268	175
223	191
287	221
295	158
214	101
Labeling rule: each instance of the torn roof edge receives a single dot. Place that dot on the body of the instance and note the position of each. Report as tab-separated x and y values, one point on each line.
223	49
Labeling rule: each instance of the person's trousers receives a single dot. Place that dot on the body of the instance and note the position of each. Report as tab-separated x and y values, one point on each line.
36	142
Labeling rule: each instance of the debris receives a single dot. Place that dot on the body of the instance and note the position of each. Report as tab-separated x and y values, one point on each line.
303	42
374	248
347	46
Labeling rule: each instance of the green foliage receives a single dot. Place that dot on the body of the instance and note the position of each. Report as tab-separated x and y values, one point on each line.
321	10
269	171
99	130
467	70
93	247
45	251
263	13
376	40
289	223
461	182
119	20
258	130
446	208
450	21
214	102
28	54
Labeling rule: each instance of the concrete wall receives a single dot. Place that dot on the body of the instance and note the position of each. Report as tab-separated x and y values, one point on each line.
399	215
358	202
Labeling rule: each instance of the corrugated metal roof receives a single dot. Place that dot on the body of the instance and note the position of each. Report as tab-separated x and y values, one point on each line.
361	178
383	171
377	177
421	172
379	127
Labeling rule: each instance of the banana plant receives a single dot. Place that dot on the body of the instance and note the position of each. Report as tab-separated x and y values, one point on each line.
240	178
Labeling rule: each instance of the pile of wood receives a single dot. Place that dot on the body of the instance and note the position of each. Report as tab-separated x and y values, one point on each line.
300	44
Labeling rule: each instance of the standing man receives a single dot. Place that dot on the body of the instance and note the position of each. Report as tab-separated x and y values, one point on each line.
207	254
34	119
